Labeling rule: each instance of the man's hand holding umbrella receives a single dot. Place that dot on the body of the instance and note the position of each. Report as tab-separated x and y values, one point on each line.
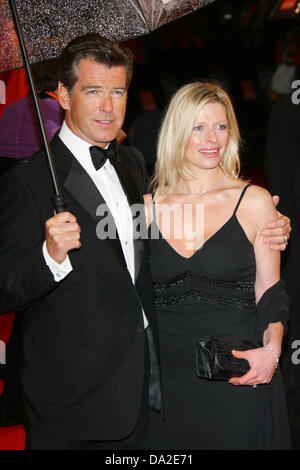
62	235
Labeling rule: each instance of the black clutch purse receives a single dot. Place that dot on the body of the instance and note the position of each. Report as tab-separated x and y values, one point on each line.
215	361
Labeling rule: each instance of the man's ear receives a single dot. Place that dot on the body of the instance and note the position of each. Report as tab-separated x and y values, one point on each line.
63	96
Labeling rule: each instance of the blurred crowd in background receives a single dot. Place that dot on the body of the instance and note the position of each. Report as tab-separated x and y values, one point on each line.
233	42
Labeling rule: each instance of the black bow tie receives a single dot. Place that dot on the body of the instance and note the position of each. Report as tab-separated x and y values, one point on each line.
100	155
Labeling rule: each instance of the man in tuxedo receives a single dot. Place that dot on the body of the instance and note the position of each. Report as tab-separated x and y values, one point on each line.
89	346
89	334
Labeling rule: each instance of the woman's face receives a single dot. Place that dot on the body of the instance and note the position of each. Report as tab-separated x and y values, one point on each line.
209	139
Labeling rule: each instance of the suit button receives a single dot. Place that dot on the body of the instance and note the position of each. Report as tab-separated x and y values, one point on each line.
140	329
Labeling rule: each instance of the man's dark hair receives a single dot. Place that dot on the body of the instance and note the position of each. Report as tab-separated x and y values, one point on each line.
98	48
46	75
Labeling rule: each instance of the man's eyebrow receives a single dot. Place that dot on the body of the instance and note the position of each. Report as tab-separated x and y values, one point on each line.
88	87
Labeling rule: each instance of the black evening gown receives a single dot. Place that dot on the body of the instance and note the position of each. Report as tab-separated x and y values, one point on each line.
210	293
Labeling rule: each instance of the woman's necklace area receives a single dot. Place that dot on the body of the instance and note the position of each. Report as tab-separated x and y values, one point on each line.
204	190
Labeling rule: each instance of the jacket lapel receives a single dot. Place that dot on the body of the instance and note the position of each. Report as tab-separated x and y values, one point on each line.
82	188
134	197
78	183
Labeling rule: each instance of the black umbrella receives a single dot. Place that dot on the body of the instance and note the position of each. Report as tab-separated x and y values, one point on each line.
48	25
44	27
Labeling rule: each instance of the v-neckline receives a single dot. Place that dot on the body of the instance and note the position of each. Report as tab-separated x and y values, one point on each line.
203	244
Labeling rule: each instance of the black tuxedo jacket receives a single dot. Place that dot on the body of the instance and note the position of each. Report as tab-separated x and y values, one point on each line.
83	337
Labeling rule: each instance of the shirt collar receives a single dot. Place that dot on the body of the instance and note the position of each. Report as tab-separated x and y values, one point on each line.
78	147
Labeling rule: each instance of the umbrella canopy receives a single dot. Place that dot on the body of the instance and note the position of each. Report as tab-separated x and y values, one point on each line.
48	25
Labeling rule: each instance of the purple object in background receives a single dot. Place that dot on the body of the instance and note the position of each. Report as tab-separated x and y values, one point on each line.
20	135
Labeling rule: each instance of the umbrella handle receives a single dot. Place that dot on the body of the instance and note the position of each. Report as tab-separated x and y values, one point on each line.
59	203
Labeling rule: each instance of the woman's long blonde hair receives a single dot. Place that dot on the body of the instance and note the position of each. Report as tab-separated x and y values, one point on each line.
176	131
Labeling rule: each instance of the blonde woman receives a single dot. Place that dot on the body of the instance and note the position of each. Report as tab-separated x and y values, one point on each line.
213	276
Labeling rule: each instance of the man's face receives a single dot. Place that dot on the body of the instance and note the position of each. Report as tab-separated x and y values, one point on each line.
96	105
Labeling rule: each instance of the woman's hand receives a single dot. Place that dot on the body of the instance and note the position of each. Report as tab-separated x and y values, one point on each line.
262	366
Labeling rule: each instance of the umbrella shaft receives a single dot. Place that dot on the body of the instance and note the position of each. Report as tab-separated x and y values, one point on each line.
34	95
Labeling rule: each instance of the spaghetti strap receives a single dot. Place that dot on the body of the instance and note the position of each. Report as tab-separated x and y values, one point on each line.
241	197
153	210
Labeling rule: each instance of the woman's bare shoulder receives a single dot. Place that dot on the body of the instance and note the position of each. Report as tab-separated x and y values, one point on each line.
258	203
259	195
